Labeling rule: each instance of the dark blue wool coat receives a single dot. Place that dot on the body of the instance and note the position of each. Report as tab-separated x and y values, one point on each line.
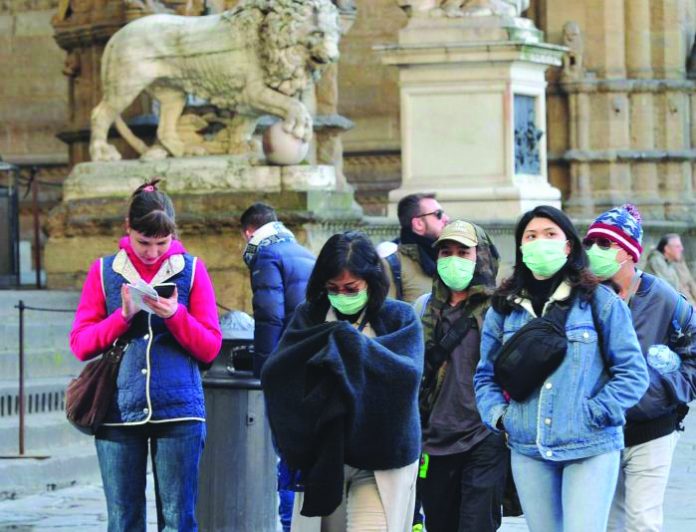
279	275
335	396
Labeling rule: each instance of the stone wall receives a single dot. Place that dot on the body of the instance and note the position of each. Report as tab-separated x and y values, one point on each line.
369	96
34	102
34	91
623	128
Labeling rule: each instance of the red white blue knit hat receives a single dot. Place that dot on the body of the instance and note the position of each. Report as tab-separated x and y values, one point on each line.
621	225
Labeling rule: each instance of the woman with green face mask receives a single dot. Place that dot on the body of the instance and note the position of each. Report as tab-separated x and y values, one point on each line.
467	463
568	431
342	388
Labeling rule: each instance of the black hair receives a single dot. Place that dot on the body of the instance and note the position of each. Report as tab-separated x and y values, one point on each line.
576	270
409	207
151	211
258	215
662	244
352	251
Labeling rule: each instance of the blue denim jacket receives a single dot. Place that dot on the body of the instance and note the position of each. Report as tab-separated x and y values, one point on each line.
579	411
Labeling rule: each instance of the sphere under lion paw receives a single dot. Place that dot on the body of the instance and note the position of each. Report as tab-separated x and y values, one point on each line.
283	148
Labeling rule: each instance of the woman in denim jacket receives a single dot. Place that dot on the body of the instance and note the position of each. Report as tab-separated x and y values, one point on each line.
566	437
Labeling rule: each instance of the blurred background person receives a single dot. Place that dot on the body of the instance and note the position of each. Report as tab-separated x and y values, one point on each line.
667	263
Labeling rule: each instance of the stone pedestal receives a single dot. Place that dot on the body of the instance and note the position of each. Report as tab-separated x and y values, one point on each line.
473	114
209	195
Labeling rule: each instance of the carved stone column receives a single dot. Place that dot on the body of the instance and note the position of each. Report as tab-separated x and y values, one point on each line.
639	107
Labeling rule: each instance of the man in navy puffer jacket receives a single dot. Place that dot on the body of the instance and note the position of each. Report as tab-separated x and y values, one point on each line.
280	269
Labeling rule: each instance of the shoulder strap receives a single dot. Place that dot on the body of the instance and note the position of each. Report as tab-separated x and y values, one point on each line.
453	337
395	265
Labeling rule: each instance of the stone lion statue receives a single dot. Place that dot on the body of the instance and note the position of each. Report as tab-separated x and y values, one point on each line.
254	59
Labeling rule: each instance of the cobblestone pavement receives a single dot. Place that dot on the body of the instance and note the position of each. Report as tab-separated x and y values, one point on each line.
82	508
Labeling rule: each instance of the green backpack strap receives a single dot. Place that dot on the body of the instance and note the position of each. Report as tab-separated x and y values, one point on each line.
420	304
395	265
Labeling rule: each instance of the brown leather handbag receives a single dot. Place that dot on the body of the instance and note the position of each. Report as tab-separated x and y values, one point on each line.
89	395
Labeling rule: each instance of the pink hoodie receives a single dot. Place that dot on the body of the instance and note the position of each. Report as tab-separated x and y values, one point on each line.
195	327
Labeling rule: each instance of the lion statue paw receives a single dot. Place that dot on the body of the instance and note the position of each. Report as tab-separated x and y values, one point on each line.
103	151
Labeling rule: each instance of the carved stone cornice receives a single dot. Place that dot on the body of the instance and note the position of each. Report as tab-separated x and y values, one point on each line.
586	86
623	156
495	51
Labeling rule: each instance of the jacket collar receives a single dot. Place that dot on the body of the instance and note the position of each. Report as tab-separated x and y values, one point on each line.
562	293
170	266
266	235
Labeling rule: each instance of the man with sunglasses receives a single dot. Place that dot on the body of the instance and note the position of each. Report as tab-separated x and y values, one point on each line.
666	327
412	263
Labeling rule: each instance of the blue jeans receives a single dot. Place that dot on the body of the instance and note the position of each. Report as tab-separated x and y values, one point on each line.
572	496
175	449
286	496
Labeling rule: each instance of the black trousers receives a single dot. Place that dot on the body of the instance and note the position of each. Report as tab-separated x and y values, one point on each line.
464	492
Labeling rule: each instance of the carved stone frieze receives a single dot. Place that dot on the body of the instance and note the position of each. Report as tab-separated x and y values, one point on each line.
464	8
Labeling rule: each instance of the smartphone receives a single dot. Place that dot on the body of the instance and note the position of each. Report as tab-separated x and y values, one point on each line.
165	290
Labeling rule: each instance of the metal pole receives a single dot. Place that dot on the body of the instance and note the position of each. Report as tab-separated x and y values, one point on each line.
35	211
14	209
21	377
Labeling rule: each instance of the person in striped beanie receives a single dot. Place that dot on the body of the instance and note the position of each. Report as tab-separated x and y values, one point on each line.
623	226
666	329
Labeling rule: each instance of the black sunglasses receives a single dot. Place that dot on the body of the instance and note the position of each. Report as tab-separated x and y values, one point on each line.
438	214
603	243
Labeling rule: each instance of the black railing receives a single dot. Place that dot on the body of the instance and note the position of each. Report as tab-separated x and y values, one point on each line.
21	395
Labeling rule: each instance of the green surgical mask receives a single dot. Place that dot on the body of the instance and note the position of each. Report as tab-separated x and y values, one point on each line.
544	256
603	262
456	272
349	305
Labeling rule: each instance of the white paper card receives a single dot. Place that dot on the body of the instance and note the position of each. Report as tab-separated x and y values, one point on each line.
138	291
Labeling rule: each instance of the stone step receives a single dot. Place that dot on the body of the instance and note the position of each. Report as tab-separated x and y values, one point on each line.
40	363
43	433
46	334
39	333
53	299
70	465
41	396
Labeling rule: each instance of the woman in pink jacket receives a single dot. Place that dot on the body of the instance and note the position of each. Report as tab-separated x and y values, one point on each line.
158	404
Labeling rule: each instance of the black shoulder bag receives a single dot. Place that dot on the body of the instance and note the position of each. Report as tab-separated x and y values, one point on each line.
532	354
